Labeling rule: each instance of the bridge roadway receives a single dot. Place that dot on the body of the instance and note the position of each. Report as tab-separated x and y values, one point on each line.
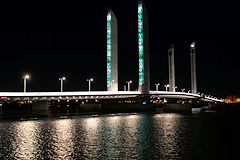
13	96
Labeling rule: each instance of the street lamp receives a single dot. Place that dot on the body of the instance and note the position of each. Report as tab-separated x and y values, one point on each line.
157	86
129	82
89	83
166	86
62	79
25	82
175	88
193	44
124	88
183	89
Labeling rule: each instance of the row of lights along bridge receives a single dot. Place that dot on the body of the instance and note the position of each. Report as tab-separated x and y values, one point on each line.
62	79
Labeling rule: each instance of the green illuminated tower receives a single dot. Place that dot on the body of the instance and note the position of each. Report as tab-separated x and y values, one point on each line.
112	52
143	49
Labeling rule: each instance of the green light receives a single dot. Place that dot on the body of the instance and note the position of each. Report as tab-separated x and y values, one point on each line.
109	50
140	44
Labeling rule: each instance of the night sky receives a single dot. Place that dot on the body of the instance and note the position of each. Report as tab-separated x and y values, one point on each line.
69	39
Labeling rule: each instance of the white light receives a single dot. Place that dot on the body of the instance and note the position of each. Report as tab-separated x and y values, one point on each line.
109	17
193	44
26	76
62	78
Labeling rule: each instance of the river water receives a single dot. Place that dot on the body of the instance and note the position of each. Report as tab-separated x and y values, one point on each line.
122	136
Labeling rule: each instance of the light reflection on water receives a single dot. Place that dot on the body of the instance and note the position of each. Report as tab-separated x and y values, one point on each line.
25	141
169	129
63	138
138	136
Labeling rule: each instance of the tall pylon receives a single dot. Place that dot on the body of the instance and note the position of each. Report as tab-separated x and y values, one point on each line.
112	52
143	49
171	68
193	68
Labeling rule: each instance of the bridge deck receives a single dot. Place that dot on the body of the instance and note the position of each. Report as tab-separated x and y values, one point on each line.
107	94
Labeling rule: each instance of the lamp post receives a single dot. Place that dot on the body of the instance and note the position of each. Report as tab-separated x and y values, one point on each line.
174	90
166	86
62	79
89	83
25	82
183	89
157	86
129	82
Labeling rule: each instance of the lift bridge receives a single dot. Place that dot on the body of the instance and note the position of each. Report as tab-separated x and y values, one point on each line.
97	95
143	96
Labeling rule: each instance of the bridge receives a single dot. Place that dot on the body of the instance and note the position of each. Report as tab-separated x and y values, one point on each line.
113	94
38	96
105	101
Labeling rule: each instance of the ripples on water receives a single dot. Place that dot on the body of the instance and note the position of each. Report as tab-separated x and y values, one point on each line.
126	136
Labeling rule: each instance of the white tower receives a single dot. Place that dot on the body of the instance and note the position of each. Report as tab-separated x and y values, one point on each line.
193	68
171	67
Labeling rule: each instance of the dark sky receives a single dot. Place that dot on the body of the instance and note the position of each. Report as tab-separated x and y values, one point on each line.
48	40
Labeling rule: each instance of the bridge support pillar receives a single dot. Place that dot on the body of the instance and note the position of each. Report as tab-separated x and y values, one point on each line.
40	107
143	49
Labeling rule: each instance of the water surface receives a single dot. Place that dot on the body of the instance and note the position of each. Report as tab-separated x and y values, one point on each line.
121	136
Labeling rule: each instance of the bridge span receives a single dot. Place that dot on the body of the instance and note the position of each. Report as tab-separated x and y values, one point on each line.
13	96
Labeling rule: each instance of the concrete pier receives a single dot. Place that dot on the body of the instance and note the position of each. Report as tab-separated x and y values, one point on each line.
40	107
